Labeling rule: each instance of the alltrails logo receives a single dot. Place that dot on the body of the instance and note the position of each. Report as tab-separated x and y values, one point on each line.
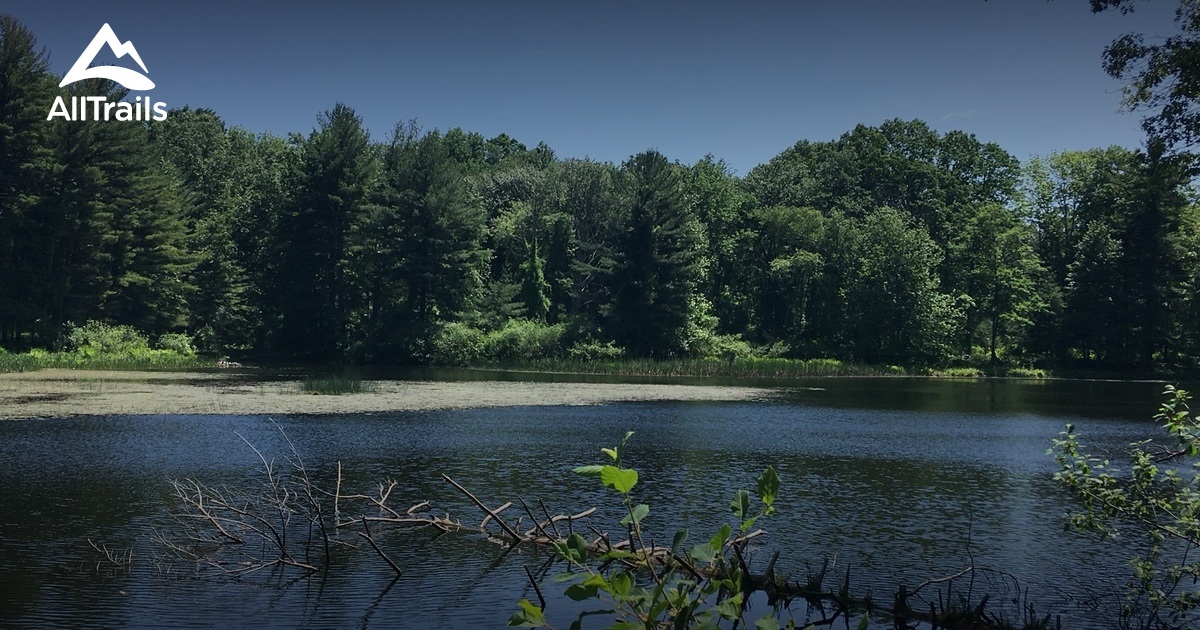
98	106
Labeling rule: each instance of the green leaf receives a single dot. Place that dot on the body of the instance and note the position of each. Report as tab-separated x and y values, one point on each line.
768	486
637	513
622	582
678	540
731	608
740	504
718	540
767	623
581	592
529	616
590	471
578	547
615	554
864	622
611	452
620	479
703	553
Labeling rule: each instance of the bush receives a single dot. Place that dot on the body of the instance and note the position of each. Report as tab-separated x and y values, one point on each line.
457	344
97	337
595	351
178	343
715	346
1154	499
524	340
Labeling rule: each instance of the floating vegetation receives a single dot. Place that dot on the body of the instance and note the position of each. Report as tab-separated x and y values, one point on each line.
336	386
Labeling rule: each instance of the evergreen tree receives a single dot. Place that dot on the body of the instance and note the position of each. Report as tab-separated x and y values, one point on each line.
320	282
26	164
196	144
428	261
589	196
658	268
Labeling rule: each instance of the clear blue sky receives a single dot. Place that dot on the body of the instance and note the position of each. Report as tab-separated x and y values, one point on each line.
609	79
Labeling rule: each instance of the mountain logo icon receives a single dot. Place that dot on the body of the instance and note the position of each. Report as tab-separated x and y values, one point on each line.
131	79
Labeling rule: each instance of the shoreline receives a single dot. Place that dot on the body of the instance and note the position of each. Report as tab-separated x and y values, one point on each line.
63	392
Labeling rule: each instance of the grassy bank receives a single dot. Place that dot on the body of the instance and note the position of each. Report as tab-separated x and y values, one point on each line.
752	367
749	367
101	346
147	360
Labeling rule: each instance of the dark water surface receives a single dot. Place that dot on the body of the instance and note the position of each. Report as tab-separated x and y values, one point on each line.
899	479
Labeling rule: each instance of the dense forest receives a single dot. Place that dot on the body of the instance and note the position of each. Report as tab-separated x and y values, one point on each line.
893	244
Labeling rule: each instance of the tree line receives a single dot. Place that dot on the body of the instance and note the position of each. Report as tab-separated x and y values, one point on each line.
890	244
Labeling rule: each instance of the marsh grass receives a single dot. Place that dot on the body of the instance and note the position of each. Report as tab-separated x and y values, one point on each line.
141	360
336	386
746	367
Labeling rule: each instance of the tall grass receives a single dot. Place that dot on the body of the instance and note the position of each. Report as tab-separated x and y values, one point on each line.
336	386
146	360
748	367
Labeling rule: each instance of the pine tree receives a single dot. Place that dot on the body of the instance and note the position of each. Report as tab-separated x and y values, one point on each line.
320	279
26	94
658	268
427	256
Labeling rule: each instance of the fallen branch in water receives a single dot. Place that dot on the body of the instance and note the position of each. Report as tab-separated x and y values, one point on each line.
289	520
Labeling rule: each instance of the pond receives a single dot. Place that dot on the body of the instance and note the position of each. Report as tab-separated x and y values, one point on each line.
895	480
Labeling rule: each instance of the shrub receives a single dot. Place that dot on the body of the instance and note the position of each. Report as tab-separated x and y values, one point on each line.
524	340
716	346
96	337
1154	499
457	344
595	351
178	343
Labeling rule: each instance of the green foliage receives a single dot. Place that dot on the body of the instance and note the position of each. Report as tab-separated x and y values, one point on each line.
100	346
589	351
697	588
1161	76
747	367
657	269
894	308
519	340
524	340
893	244
178	343
458	344
726	347
1111	232
320	283
1155	499
96	337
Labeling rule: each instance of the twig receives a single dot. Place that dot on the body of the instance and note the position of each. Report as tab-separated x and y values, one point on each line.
537	589
374	546
549	519
337	494
940	580
537	527
516	537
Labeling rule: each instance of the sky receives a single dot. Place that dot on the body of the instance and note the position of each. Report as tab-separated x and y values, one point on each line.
609	79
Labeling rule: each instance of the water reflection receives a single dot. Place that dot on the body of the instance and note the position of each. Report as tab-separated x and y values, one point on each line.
901	479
